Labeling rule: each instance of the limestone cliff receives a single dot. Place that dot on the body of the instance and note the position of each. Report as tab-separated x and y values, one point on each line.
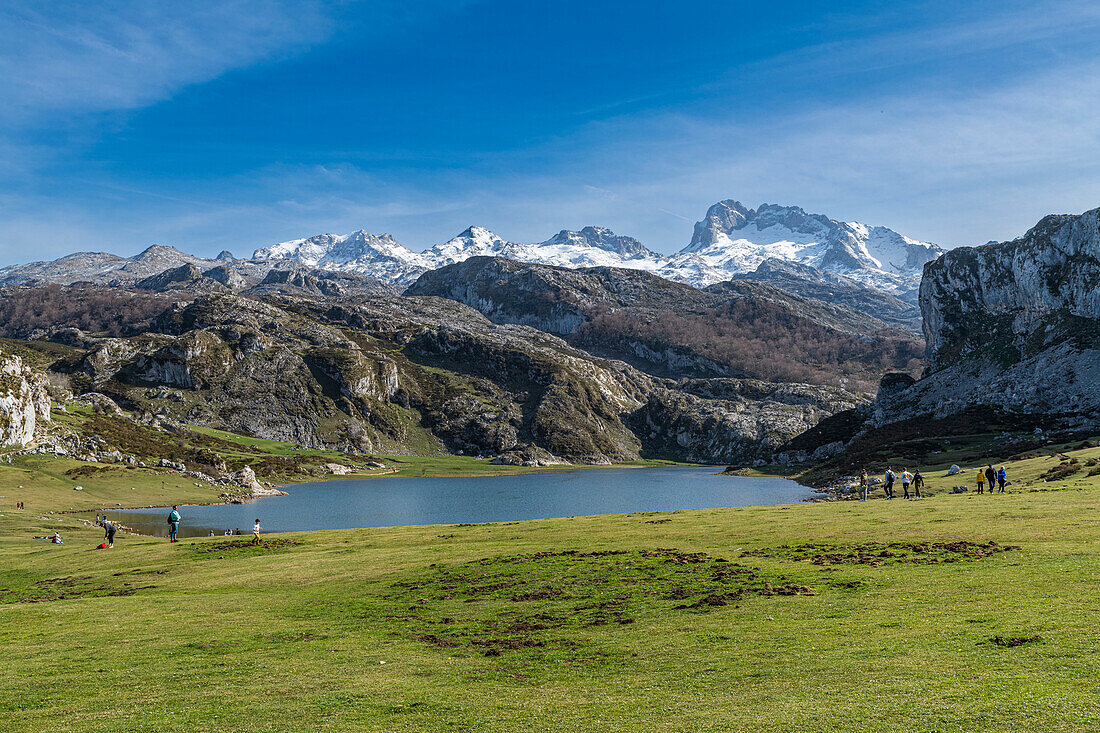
1013	326
24	402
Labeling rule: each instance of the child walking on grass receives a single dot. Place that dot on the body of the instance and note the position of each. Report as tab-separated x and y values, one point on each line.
256	531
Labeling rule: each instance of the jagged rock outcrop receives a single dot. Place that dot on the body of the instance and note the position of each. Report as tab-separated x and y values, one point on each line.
24	402
1013	327
185	277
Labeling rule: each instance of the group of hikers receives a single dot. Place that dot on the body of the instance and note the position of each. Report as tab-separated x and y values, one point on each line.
916	480
992	477
998	478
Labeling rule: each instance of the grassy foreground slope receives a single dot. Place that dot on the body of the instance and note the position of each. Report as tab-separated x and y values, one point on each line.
876	616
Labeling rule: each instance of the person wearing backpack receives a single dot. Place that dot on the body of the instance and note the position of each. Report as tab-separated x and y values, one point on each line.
888	479
173	524
990	477
918	484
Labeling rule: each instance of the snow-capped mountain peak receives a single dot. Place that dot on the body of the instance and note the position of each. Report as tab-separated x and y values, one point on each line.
378	255
474	241
734	239
602	238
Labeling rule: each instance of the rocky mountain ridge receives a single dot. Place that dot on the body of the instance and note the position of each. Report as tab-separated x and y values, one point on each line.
671	329
423	374
732	240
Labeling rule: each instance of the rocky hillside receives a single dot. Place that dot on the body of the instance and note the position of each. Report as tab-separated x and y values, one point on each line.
400	374
1013	334
1015	326
732	329
810	282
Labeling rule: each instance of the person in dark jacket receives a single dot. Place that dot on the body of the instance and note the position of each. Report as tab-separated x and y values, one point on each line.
109	529
990	477
918	483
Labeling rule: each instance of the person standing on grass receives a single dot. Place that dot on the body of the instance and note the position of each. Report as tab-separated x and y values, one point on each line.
981	481
256	531
888	479
110	529
1002	479
990	477
918	484
906	479
863	481
173	524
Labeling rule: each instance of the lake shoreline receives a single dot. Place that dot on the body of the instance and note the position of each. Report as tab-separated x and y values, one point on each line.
438	500
395	474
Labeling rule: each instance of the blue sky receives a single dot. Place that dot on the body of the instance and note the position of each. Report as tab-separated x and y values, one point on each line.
232	124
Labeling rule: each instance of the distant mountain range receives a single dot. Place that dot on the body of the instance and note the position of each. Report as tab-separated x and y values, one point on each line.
731	240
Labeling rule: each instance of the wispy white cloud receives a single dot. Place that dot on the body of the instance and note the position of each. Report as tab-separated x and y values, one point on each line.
66	56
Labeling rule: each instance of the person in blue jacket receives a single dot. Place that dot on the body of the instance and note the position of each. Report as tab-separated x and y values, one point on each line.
173	524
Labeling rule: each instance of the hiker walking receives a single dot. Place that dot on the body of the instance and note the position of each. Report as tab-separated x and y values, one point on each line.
981	481
110	529
1002	479
918	484
863	481
256	531
888	479
173	524
990	477
906	479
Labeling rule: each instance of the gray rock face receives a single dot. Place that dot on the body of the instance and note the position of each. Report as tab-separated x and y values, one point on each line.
24	402
1020	296
1014	326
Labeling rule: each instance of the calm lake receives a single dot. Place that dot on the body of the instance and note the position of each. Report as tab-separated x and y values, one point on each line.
389	502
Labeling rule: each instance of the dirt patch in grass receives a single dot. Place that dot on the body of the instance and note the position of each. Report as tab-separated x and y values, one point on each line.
875	553
1011	641
247	546
67	587
542	604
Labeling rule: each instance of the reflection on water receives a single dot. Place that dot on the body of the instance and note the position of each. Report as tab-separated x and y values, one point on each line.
388	502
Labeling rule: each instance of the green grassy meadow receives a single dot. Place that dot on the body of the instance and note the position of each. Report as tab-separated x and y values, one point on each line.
957	613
